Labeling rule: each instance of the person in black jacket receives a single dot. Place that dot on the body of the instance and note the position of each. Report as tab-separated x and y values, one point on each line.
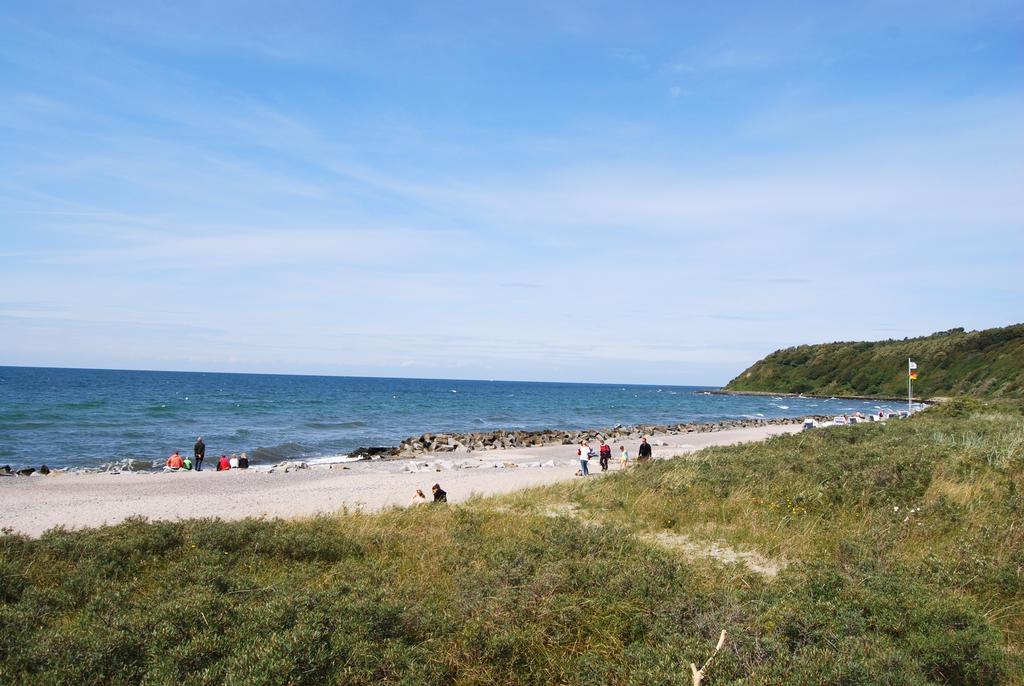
644	454
439	495
199	452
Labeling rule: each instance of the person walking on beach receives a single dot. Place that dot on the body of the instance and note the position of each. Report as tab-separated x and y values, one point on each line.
199	452
605	452
584	452
623	457
439	495
644	453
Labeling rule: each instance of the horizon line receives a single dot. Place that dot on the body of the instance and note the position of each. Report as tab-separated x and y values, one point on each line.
356	376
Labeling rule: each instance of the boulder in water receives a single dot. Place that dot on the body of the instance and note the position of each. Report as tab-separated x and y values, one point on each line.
26	471
44	469
374	452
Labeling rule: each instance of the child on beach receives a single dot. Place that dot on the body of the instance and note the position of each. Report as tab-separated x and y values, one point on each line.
439	495
623	457
418	498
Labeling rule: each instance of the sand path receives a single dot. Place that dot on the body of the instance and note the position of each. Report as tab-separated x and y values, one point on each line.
34	504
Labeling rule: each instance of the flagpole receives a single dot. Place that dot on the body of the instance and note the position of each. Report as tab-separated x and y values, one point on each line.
910	388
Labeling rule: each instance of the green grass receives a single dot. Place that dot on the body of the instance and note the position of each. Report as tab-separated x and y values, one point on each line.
988	363
508	591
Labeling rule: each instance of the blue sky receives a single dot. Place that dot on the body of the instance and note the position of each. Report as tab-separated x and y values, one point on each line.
647	192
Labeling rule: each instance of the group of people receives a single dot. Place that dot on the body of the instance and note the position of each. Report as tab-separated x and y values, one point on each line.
604	455
440	496
177	463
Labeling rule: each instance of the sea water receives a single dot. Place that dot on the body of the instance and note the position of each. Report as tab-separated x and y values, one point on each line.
86	418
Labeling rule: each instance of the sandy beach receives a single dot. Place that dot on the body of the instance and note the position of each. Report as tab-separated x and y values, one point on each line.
32	505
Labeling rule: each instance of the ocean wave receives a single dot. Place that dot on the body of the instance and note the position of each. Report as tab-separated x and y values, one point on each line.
84	405
335	425
127	464
331	459
35	425
277	453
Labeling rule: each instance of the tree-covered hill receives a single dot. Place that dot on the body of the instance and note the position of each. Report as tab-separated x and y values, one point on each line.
955	362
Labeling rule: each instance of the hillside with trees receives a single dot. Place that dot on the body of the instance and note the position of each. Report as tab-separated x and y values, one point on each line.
988	363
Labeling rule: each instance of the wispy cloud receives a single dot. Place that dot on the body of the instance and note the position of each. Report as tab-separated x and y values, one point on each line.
591	195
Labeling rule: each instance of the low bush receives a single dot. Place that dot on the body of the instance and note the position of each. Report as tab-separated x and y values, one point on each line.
900	547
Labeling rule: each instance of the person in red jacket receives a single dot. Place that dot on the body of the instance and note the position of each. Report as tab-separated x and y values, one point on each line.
605	452
223	465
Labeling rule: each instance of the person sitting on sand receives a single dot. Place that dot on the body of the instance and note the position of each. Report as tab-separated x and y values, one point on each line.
174	461
623	457
243	461
187	463
418	498
233	461
223	465
439	495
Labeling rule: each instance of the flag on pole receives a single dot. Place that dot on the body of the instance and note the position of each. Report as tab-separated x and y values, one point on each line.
913	368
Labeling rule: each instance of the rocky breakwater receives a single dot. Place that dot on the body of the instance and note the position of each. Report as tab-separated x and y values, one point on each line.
457	443
6	470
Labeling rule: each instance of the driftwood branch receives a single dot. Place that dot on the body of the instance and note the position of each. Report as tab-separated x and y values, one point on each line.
699	674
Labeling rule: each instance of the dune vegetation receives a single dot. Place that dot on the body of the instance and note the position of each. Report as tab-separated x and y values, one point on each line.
871	554
987	363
